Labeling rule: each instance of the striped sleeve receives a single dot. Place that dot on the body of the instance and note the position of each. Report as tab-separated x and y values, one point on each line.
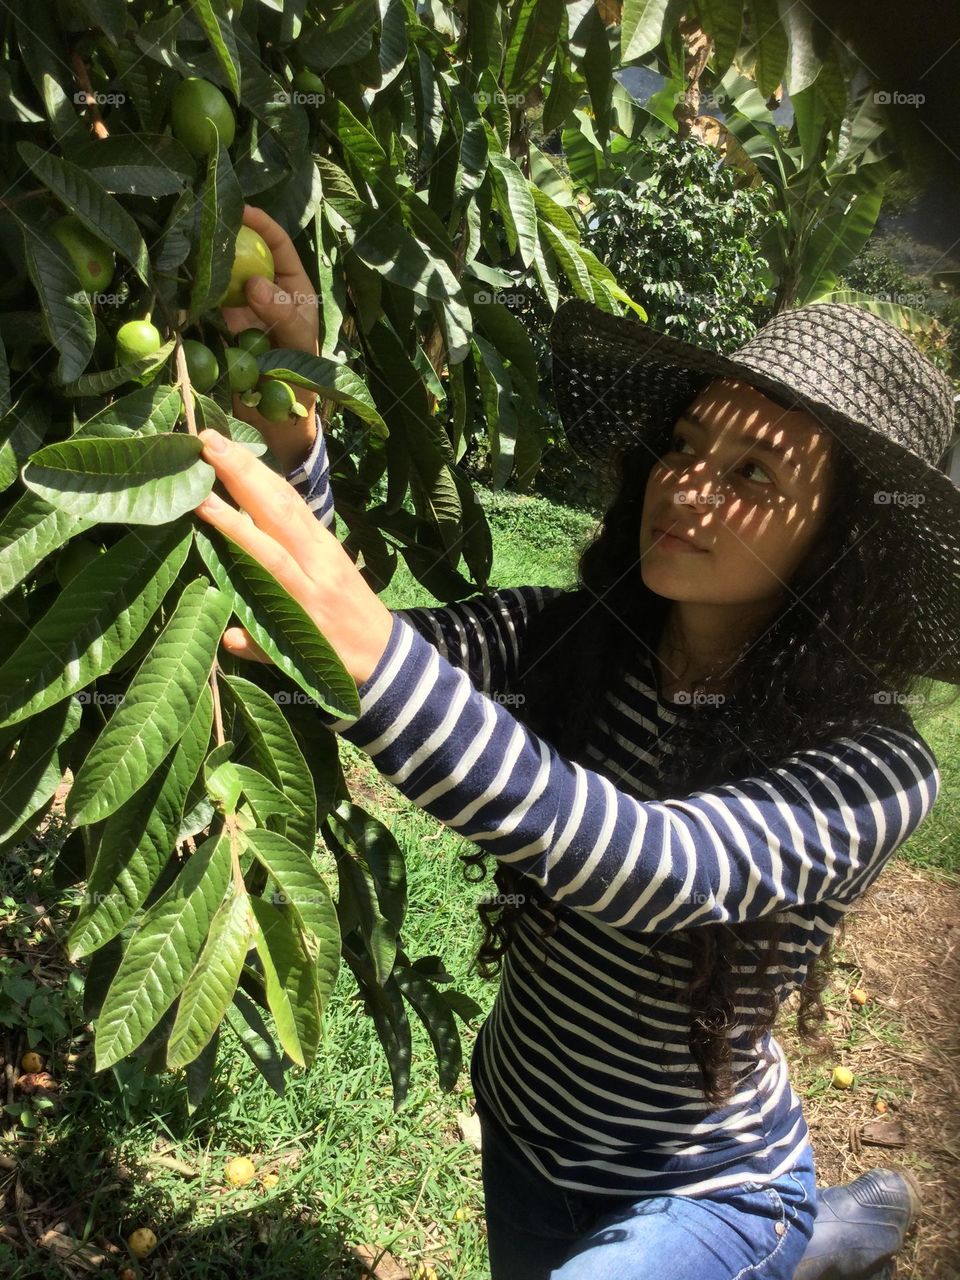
818	825
312	481
483	635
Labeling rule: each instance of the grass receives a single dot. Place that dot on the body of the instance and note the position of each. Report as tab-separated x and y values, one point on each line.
121	1151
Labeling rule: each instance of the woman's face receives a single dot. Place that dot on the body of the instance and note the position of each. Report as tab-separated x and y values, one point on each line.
753	507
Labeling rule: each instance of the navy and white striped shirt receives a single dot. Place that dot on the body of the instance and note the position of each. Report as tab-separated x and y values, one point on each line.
586	1062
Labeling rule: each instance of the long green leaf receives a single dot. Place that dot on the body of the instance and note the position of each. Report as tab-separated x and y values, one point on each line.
162	952
140	480
84	196
291	981
221	215
67	314
278	757
93	622
303	889
137	840
222	40
516	205
211	985
29	780
437	1016
279	625
160	699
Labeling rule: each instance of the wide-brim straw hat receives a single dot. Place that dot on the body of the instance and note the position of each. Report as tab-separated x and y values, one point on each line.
618	382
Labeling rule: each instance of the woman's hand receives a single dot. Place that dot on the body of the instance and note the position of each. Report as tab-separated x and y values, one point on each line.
286	310
280	531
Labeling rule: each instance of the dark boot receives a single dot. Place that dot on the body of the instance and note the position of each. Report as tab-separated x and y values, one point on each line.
859	1227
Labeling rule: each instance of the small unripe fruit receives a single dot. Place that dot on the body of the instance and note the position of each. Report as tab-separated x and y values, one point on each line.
198	113
201	364
242	370
93	261
253	340
252	257
306	82
141	1242
276	400
136	339
31	1062
842	1077
239	1171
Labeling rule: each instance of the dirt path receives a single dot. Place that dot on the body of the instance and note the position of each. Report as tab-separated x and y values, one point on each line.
902	945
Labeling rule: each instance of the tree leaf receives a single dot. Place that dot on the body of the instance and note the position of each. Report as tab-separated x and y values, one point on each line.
98	212
211	985
140	480
291	981
67	313
162	952
303	889
220	34
137	840
333	381
159	700
251	1030
437	1017
93	622
221	215
278	624
278	757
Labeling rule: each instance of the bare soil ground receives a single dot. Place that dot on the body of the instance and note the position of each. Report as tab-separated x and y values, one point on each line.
902	946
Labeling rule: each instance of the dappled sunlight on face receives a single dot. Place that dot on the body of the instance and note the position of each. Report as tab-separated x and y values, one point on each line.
744	481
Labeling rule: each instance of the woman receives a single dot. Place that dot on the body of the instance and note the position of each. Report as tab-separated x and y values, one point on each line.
708	764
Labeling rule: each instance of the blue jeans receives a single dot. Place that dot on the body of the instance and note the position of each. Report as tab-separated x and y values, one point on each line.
538	1231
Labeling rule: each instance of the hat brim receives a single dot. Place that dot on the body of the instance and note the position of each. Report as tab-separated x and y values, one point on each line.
619	383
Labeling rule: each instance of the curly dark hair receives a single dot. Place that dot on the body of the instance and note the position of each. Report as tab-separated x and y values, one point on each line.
842	633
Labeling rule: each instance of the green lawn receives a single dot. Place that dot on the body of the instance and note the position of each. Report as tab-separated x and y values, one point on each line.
121	1151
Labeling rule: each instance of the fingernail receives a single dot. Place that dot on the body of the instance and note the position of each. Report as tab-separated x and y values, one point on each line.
261	290
215	442
211	503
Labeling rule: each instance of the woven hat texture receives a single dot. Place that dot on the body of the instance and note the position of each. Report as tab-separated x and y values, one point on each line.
618	382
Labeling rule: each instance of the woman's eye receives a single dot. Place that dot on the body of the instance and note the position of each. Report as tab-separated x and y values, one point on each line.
679	441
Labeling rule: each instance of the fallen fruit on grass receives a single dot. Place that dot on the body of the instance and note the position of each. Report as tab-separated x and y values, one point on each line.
859	996
201	364
136	339
842	1077
460	1215
31	1062
424	1271
880	1107
277	401
242	371
239	1171
198	113
93	261
269	1180
252	257
141	1242
253	340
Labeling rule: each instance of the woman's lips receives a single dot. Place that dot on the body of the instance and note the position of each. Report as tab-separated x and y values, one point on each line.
669	543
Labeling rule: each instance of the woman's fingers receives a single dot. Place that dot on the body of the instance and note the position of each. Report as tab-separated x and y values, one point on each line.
275	521
239	642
